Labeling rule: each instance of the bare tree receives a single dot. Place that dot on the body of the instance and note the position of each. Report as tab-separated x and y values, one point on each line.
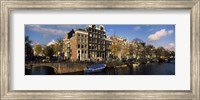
150	50
137	48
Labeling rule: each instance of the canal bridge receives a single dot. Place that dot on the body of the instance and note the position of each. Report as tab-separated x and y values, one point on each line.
59	68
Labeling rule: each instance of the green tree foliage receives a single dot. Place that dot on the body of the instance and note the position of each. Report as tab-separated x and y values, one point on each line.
115	49
38	49
48	51
172	53
150	50
125	51
28	47
27	40
131	50
160	51
138	49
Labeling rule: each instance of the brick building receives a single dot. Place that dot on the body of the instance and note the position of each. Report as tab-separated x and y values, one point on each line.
96	42
76	45
90	43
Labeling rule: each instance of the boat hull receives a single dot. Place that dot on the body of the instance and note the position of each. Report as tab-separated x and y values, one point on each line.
97	69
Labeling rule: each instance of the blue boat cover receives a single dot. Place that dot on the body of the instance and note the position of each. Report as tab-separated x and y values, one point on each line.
96	66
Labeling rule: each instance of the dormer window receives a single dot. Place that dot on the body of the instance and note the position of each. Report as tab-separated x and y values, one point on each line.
101	27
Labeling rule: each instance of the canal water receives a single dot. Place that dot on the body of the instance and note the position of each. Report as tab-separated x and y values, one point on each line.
43	70
143	69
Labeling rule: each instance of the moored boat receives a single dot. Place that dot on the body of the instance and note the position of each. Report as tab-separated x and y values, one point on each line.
95	68
136	64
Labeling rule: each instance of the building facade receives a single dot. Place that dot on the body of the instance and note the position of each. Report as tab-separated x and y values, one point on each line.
108	43
123	46
96	42
76	45
90	43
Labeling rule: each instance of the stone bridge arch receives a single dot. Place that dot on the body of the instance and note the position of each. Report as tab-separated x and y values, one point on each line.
60	68
29	66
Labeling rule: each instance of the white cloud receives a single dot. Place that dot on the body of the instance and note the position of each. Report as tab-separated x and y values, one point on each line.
51	43
47	30
69	26
34	25
159	34
53	29
170	46
38	28
136	28
171	31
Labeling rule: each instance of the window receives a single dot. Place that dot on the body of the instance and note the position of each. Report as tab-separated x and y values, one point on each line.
78	45
82	46
89	46
103	47
103	42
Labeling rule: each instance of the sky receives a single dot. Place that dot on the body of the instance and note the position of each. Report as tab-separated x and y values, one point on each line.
157	35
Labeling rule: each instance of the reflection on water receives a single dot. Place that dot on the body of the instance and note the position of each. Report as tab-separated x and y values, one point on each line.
144	69
43	70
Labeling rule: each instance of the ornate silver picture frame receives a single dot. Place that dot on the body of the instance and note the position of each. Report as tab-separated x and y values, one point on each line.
7	6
